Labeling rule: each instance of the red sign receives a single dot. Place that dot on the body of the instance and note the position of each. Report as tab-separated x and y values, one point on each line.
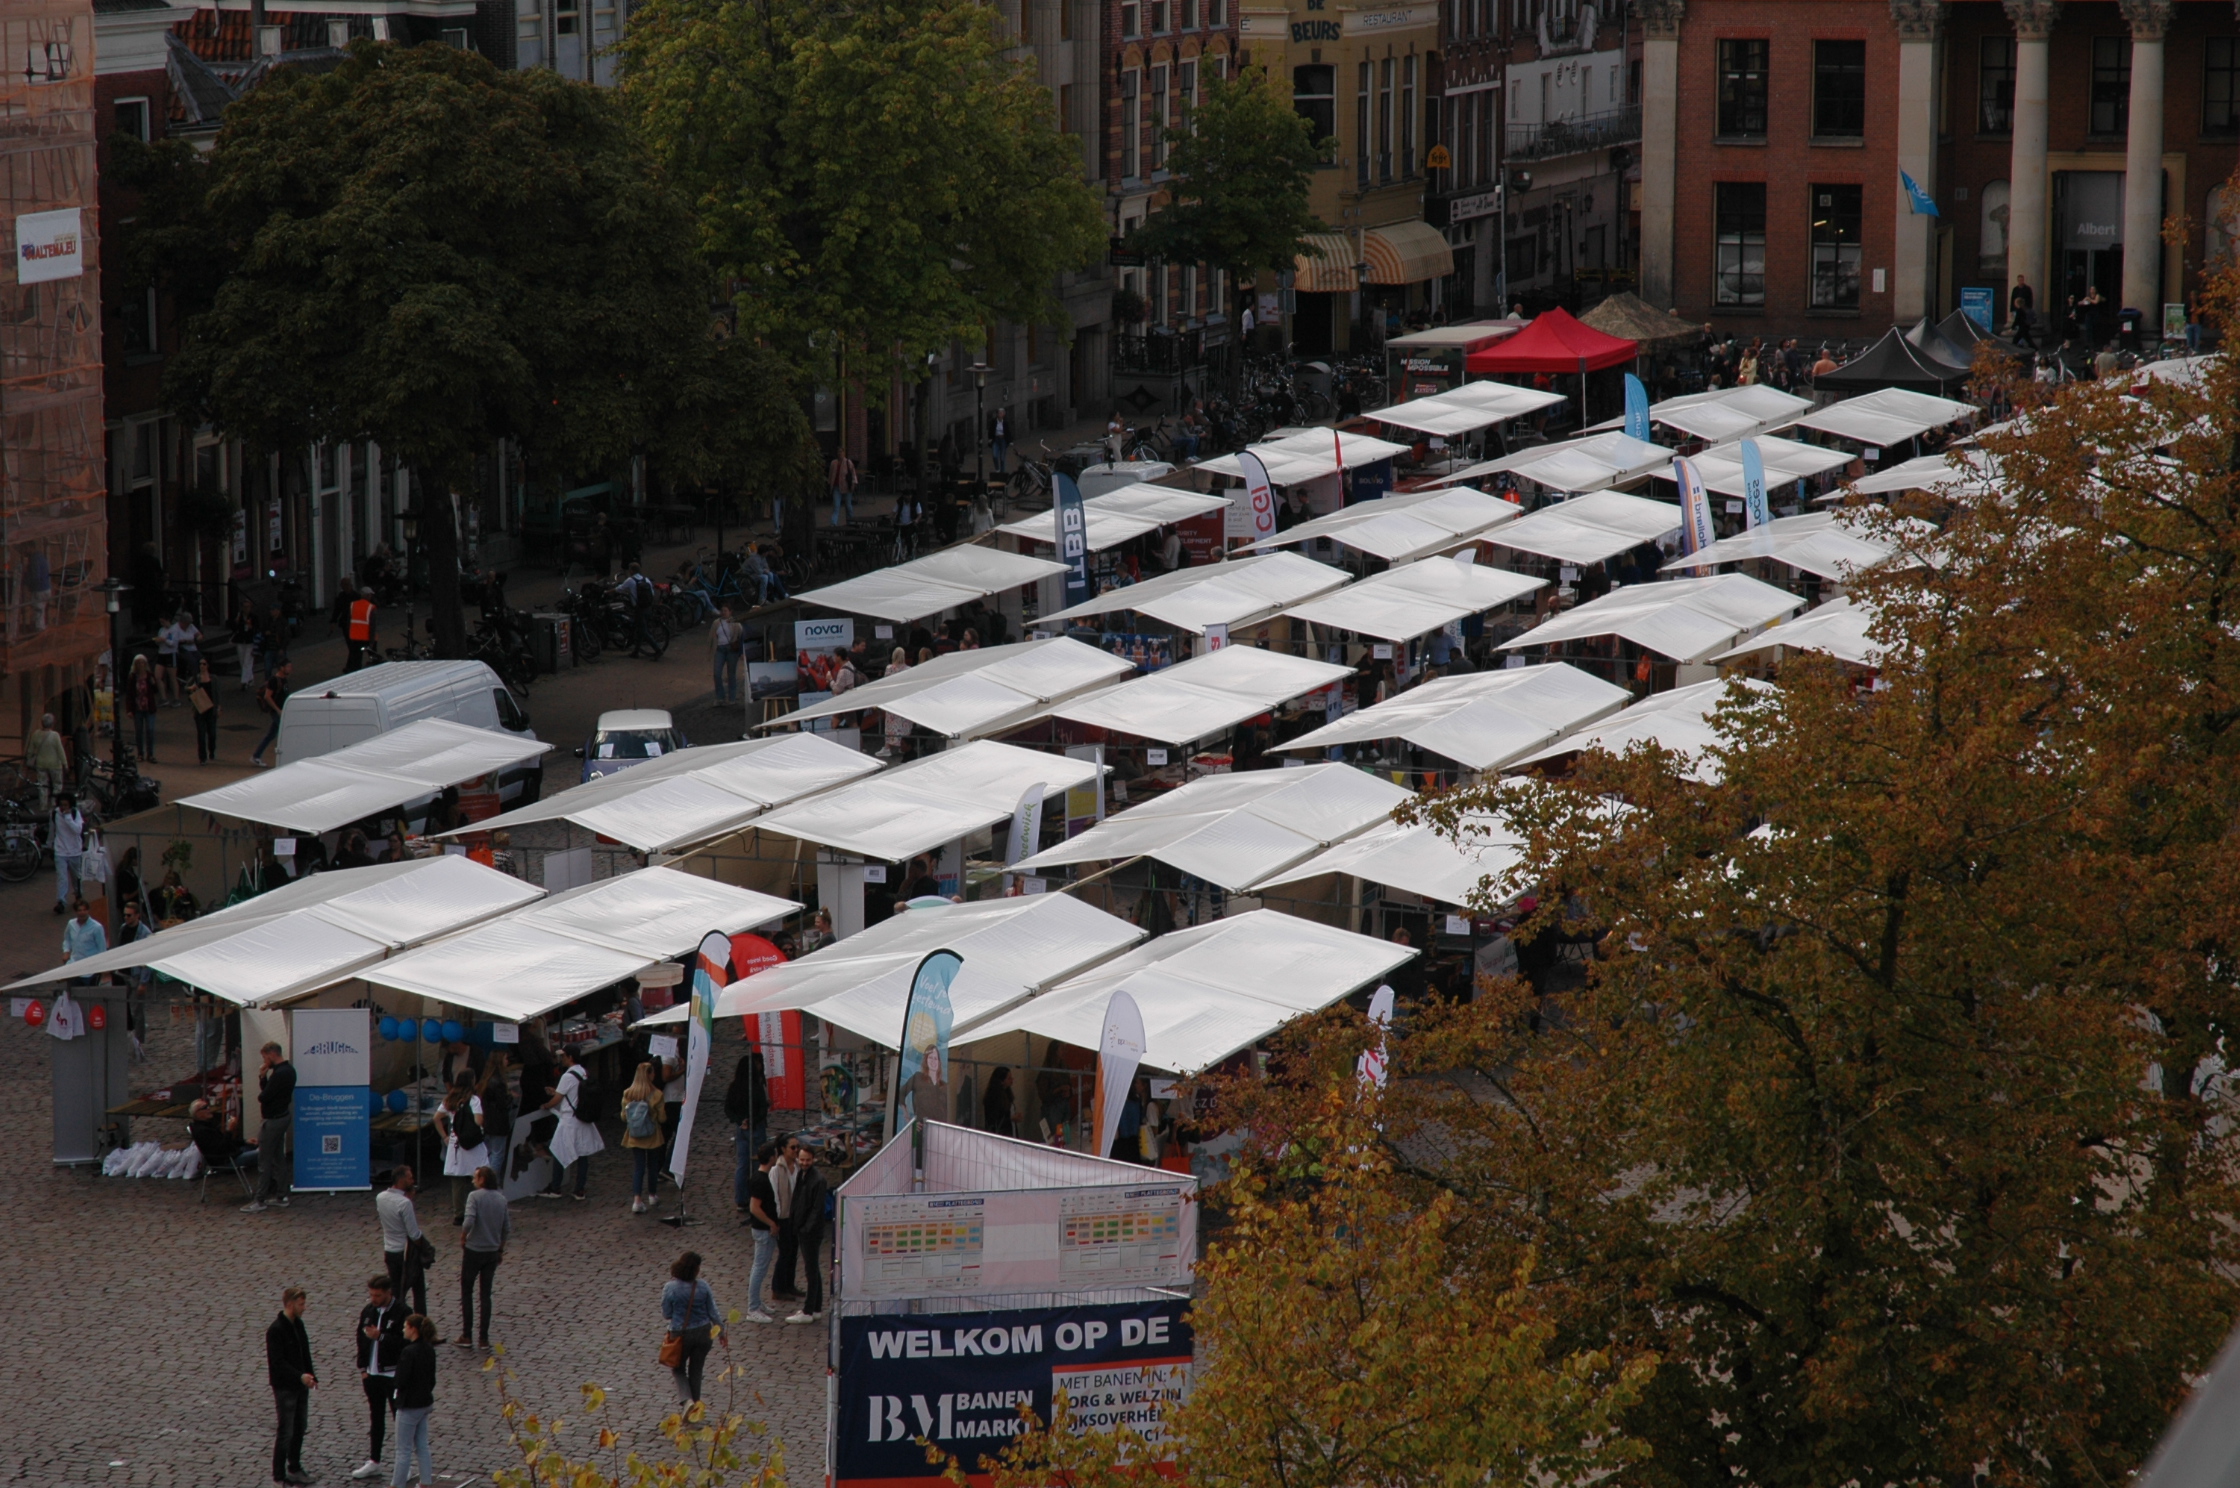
35	1014
97	1017
783	1055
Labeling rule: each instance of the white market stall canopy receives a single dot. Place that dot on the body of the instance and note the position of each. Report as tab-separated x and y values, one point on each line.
1419	859
1585	464
1406	526
1240	592
1012	949
1591	528
1202	696
1417	598
1679	720
697	794
1308	455
929	802
1956	473
1785	460
1838	628
1684	619
1234	830
1830	544
1890	416
1480	720
967	694
575	942
1473	406
316	931
361	780
926	586
1724	413
1209	991
1117	516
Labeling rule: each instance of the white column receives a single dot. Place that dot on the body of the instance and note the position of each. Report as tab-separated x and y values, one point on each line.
2142	160
1920	24
2027	183
1660	125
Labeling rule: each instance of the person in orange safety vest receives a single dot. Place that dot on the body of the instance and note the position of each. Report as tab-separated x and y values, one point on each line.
360	636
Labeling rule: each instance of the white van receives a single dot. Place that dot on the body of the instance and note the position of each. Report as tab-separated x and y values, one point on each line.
351	709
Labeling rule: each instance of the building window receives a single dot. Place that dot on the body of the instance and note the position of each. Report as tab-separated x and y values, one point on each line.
1487	110
1408	115
1362	146
1384	120
1217	13
1160	16
1189	15
1742	89
1995	86
2111	84
1065	108
137	309
1991	239
2220	85
1185	94
1065	20
1159	117
1026	22
1131	124
458	39
1314	98
566	14
1740	267
1839	89
133	119
1131	18
1835	247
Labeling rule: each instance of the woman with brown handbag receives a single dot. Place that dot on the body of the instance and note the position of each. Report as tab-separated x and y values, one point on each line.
688	1308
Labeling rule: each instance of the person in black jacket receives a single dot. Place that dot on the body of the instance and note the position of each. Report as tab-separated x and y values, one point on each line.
276	1101
380	1345
810	1190
288	1369
416	1395
747	1105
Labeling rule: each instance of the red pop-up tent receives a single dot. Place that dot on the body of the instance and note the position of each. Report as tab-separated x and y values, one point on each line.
1556	341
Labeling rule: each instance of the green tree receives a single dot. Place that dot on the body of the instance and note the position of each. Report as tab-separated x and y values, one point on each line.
877	180
418	249
1238	195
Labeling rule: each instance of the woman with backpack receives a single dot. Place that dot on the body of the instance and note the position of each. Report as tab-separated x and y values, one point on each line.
466	1146
642	1108
577	1135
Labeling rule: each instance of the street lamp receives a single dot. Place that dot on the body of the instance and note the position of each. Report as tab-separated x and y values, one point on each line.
113	590
980	371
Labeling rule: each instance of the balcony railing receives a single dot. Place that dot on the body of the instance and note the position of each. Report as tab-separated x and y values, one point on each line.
1621	126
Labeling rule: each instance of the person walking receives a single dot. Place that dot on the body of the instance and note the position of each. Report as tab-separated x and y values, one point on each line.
82	936
49	764
380	1342
189	638
402	1243
688	1312
762	1218
782	1288
167	663
642	1107
636	593
359	640
482	1245
202	697
143	695
723	649
466	1145
290	1372
999	442
245	628
576	1138
840	476
811	1192
747	1106
66	835
276	1098
271	699
416	1397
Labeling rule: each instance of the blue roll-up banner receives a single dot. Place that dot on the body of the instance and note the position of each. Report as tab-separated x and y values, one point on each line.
1637	409
958	1379
1756	513
334	1137
1073	536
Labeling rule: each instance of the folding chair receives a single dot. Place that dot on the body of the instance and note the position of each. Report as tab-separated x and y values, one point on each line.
233	1164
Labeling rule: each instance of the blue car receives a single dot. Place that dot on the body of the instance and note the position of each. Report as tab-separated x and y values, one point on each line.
626	737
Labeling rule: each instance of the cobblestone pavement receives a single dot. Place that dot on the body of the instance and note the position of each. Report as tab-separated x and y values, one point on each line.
134	1316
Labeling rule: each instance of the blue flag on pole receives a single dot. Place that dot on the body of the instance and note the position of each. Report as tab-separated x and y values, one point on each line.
1922	205
1073	536
1696	532
1637	409
1755	511
921	1067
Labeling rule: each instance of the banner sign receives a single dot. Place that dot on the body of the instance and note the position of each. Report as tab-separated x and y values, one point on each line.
1696	532
333	1046
1007	1241
1637	409
822	635
1118	1055
1259	496
711	973
1755	512
921	1073
50	245
959	1379
333	1136
1073	536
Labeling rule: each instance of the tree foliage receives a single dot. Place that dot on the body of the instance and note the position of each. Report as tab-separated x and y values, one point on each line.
877	175
1893	1114
700	1446
1240	170
418	249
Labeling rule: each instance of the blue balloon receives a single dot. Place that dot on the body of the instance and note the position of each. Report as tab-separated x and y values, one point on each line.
432	1030
388	1028
396	1100
454	1031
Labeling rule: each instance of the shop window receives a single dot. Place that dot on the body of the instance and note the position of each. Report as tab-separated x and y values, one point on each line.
1995	85
1739	267
1836	216
2220	85
1839	90
133	119
1314	97
1742	89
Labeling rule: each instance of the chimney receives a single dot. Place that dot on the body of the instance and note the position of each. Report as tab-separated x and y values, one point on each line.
268	40
338	35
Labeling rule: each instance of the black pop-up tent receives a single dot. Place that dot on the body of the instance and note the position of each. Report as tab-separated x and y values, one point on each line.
1892	362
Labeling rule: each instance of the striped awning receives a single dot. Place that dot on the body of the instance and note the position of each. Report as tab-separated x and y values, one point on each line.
1407	253
1327	265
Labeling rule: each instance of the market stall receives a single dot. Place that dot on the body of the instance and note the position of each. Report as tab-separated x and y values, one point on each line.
1406	603
1405	526
1684	620
1557	344
402	768
1892	362
1891	416
1119	516
1679	721
1237	594
1420	860
1835	545
1838	628
1480	720
1957	474
1591	528
926	586
1592	462
1786	463
1723	414
972	694
1204	696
